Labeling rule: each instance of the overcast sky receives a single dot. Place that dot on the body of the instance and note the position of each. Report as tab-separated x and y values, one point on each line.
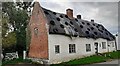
105	13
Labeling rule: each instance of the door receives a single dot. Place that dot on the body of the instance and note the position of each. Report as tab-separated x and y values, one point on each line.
96	47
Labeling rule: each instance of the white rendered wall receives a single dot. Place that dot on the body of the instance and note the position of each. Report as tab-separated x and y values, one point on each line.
118	45
100	49
64	41
111	47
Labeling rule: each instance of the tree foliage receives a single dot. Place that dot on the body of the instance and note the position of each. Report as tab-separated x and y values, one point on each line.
18	17
8	38
5	27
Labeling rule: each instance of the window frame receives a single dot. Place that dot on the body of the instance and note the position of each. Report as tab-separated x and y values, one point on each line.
36	31
72	48
104	45
57	49
113	45
88	48
99	44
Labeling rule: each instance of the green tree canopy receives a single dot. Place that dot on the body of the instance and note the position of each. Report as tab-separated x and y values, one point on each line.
17	14
8	38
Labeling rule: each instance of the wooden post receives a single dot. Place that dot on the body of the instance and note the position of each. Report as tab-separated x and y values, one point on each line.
17	54
24	54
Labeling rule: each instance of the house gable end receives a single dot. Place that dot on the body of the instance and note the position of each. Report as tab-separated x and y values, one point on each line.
39	37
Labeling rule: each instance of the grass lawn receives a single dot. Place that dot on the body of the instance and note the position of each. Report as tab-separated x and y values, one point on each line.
81	61
114	55
16	61
92	59
87	60
19	61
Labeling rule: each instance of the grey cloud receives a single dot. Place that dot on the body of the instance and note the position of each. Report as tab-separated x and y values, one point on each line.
50	5
105	13
81	0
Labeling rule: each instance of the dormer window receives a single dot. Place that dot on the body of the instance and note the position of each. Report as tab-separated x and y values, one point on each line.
36	31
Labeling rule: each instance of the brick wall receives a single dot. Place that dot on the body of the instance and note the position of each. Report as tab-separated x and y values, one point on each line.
39	42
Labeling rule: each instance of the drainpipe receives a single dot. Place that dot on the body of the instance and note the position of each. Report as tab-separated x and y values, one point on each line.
108	49
116	44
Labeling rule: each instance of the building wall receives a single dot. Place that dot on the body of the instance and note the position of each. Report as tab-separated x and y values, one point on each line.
64	41
39	41
42	45
112	46
117	43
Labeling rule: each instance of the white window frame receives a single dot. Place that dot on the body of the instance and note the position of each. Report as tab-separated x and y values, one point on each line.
113	45
99	44
72	48
103	45
88	48
57	49
36	31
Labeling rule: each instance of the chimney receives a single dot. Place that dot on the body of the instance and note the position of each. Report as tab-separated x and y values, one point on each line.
69	13
79	16
92	20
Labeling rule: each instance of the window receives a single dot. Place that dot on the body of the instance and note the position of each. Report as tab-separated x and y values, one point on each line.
88	47
57	49
100	45
103	45
72	48
36	31
112	44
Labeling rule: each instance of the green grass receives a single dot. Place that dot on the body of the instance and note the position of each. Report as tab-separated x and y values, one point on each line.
87	60
16	61
114	55
91	59
83	61
80	61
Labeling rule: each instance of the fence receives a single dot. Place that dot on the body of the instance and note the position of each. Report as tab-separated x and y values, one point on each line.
10	56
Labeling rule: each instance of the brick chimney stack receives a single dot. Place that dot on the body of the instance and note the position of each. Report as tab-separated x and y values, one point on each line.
79	16
92	20
69	13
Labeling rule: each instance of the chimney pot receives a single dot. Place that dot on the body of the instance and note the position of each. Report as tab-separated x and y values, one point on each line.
69	13
79	16
92	20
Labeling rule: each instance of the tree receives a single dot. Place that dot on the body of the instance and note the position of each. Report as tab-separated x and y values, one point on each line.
4	25
8	38
18	18
9	42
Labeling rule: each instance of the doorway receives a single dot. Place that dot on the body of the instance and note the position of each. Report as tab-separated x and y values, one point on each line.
96	47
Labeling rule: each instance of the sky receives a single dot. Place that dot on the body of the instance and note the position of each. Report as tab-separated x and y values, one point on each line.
105	13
